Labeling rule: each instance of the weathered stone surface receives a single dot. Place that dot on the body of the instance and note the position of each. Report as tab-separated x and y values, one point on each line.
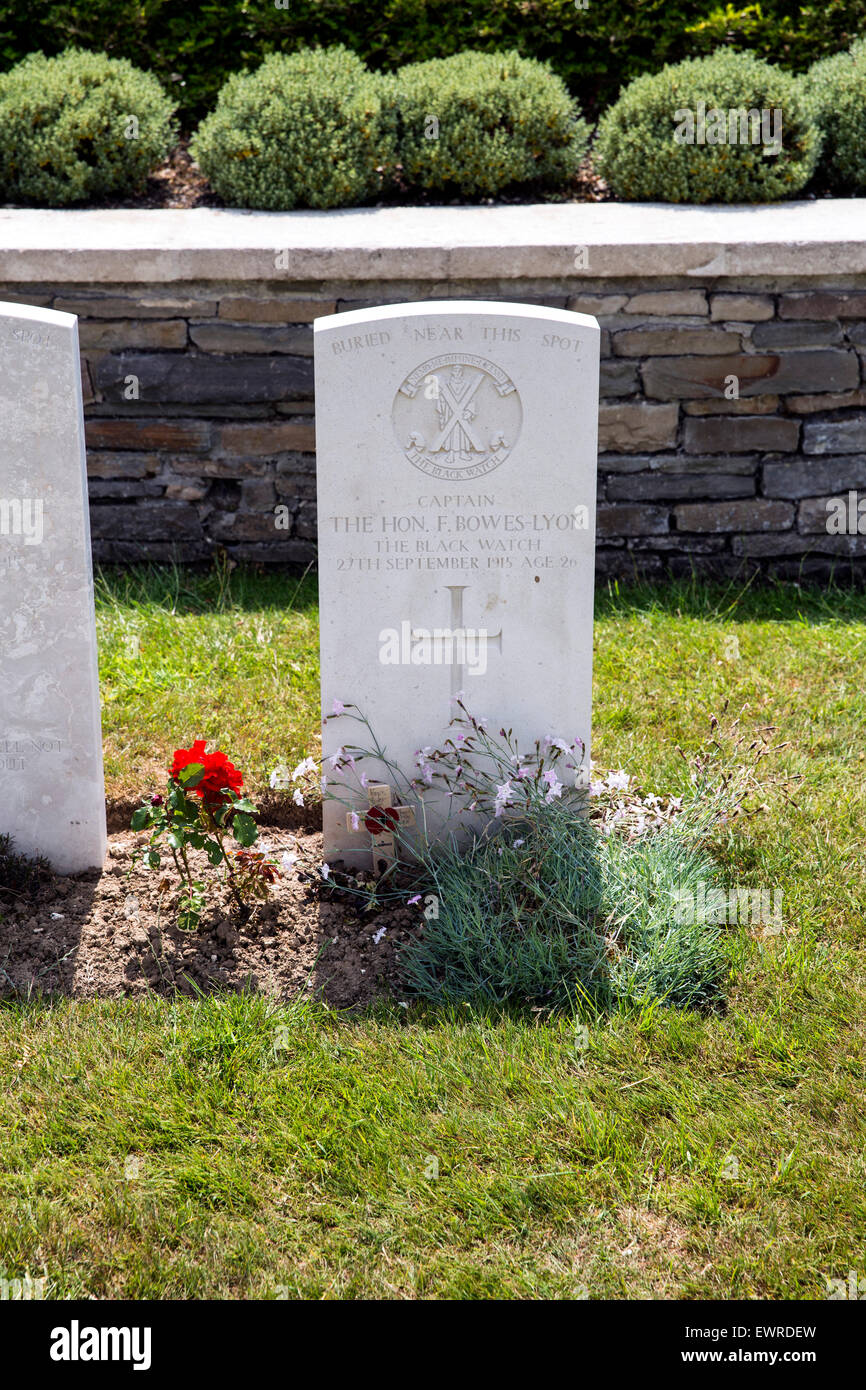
856	333
421	494
219	467
815	512
618	379
792	543
306	521
670	341
246	526
430	246
840	400
111	465
274	309
596	304
632	427
738	307
667	302
203	379
678	463
87	393
296	463
295	486
268	437
830	369
29	296
631	521
793	333
229	337
694	545
187	436
741	434
125	489
132	307
133	333
809	479
626	564
720	405
678	486
757	514
180	551
53	794
145	521
823	304
846	436
187	491
258	495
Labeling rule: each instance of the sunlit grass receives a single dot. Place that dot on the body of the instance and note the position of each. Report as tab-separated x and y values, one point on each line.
229	658
414	1153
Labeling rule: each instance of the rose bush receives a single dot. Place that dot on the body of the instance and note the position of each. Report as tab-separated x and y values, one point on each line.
203	809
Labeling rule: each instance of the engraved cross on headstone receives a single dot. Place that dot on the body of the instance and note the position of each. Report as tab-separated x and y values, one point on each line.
380	821
457	669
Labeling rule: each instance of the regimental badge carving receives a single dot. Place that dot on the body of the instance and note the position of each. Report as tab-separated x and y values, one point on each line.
457	417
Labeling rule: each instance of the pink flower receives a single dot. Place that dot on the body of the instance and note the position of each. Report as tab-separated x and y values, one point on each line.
504	795
554	786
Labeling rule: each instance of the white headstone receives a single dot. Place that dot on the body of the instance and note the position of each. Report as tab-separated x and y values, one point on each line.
52	797
456	448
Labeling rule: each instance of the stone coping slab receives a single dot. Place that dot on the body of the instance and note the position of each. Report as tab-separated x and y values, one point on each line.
436	244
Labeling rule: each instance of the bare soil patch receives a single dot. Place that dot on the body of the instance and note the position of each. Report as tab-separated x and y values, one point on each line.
113	934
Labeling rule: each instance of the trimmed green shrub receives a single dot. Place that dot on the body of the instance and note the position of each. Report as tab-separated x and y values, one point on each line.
836	93
311	130
79	126
684	135
480	122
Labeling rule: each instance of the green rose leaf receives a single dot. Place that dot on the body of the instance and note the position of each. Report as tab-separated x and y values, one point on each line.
245	829
191	775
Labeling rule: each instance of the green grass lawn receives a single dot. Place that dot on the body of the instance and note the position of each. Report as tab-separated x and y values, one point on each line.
233	1148
230	658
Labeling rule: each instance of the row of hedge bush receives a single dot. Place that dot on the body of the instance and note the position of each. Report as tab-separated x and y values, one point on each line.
596	48
319	129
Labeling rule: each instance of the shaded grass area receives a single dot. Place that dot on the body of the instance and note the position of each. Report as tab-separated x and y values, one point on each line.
232	1148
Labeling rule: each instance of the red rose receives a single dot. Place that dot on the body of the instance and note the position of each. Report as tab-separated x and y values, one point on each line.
220	776
381	820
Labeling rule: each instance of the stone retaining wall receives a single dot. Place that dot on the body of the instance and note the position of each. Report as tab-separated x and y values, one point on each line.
732	408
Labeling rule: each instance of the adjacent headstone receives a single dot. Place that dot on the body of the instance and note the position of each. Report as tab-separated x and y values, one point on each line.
456	500
52	798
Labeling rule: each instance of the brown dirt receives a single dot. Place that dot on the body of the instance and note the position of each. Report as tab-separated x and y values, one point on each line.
113	933
179	183
176	183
